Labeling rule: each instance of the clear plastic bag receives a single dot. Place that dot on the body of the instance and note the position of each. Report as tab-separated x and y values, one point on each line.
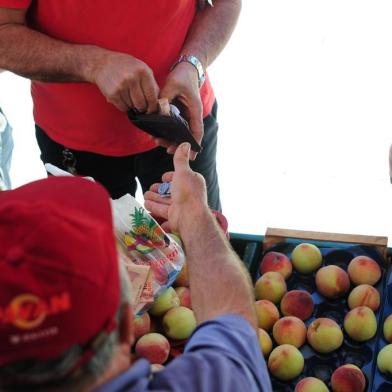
143	241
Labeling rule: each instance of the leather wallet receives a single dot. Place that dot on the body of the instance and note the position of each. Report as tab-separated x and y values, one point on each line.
173	128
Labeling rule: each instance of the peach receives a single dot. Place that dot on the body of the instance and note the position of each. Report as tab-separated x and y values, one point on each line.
348	378
154	347
360	323
384	360
289	330
364	270
306	258
298	303
271	286
141	325
182	278
332	281
387	329
364	295
179	323
267	314
285	362
184	294
324	335
276	262
265	342
310	384
167	300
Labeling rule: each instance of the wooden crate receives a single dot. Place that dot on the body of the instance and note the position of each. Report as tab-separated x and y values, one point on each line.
276	235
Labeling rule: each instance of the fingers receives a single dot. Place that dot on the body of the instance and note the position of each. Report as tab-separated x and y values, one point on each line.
181	158
144	94
126	98
157	209
196	122
127	82
156	197
151	92
137	97
154	188
168	176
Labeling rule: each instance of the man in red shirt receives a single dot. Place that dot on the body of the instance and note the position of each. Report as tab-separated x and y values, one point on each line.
90	61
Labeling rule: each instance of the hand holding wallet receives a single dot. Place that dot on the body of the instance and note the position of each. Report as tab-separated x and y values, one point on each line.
167	124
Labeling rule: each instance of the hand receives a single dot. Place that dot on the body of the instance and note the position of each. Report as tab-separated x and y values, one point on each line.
183	84
188	191
125	81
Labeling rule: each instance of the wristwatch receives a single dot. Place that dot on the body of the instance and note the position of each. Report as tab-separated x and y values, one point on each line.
189	58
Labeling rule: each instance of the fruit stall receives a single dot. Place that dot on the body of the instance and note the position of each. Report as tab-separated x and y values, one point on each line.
324	307
323	303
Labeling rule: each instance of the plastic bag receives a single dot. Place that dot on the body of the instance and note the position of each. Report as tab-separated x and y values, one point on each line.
144	242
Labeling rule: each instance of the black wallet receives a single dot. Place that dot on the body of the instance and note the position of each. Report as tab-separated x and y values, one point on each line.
173	128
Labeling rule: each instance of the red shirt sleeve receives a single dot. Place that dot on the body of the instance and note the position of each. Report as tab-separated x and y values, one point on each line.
16	4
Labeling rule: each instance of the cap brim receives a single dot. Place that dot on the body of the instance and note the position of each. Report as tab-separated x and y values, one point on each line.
70	192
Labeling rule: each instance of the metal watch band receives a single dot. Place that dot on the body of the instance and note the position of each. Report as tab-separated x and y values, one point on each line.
195	62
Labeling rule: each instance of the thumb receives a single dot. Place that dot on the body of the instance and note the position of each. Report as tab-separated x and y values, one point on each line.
181	157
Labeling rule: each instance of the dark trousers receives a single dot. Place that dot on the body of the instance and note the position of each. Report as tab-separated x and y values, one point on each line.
118	174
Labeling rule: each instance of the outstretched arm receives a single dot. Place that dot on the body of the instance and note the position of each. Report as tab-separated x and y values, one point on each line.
219	282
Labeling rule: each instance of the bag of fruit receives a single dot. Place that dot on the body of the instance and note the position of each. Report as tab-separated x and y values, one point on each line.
144	242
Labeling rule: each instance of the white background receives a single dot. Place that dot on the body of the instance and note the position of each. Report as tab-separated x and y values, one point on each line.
305	97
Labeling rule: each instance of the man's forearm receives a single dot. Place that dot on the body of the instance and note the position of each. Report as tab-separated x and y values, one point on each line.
211	30
36	56
218	280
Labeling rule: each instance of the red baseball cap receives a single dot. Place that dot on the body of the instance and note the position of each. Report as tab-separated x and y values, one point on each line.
59	279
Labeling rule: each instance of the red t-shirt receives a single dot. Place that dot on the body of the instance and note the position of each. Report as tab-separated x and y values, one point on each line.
76	114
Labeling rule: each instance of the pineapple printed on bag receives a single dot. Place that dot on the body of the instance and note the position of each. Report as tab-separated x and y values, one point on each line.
146	233
139	226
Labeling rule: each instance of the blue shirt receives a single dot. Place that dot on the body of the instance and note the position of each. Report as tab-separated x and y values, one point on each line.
222	355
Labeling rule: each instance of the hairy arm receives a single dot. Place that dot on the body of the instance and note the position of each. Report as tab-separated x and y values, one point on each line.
124	80
218	280
211	30
36	56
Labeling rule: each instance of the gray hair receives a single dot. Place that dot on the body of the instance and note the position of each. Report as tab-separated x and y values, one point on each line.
31	375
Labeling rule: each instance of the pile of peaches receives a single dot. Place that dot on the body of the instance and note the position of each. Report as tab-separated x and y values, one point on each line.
161	333
287	322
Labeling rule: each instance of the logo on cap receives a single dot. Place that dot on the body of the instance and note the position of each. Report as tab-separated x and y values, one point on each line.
28	311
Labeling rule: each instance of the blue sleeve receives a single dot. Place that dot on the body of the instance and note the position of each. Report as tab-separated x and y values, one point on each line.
222	355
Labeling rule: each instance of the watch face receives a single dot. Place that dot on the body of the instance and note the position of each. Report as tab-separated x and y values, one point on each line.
195	61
